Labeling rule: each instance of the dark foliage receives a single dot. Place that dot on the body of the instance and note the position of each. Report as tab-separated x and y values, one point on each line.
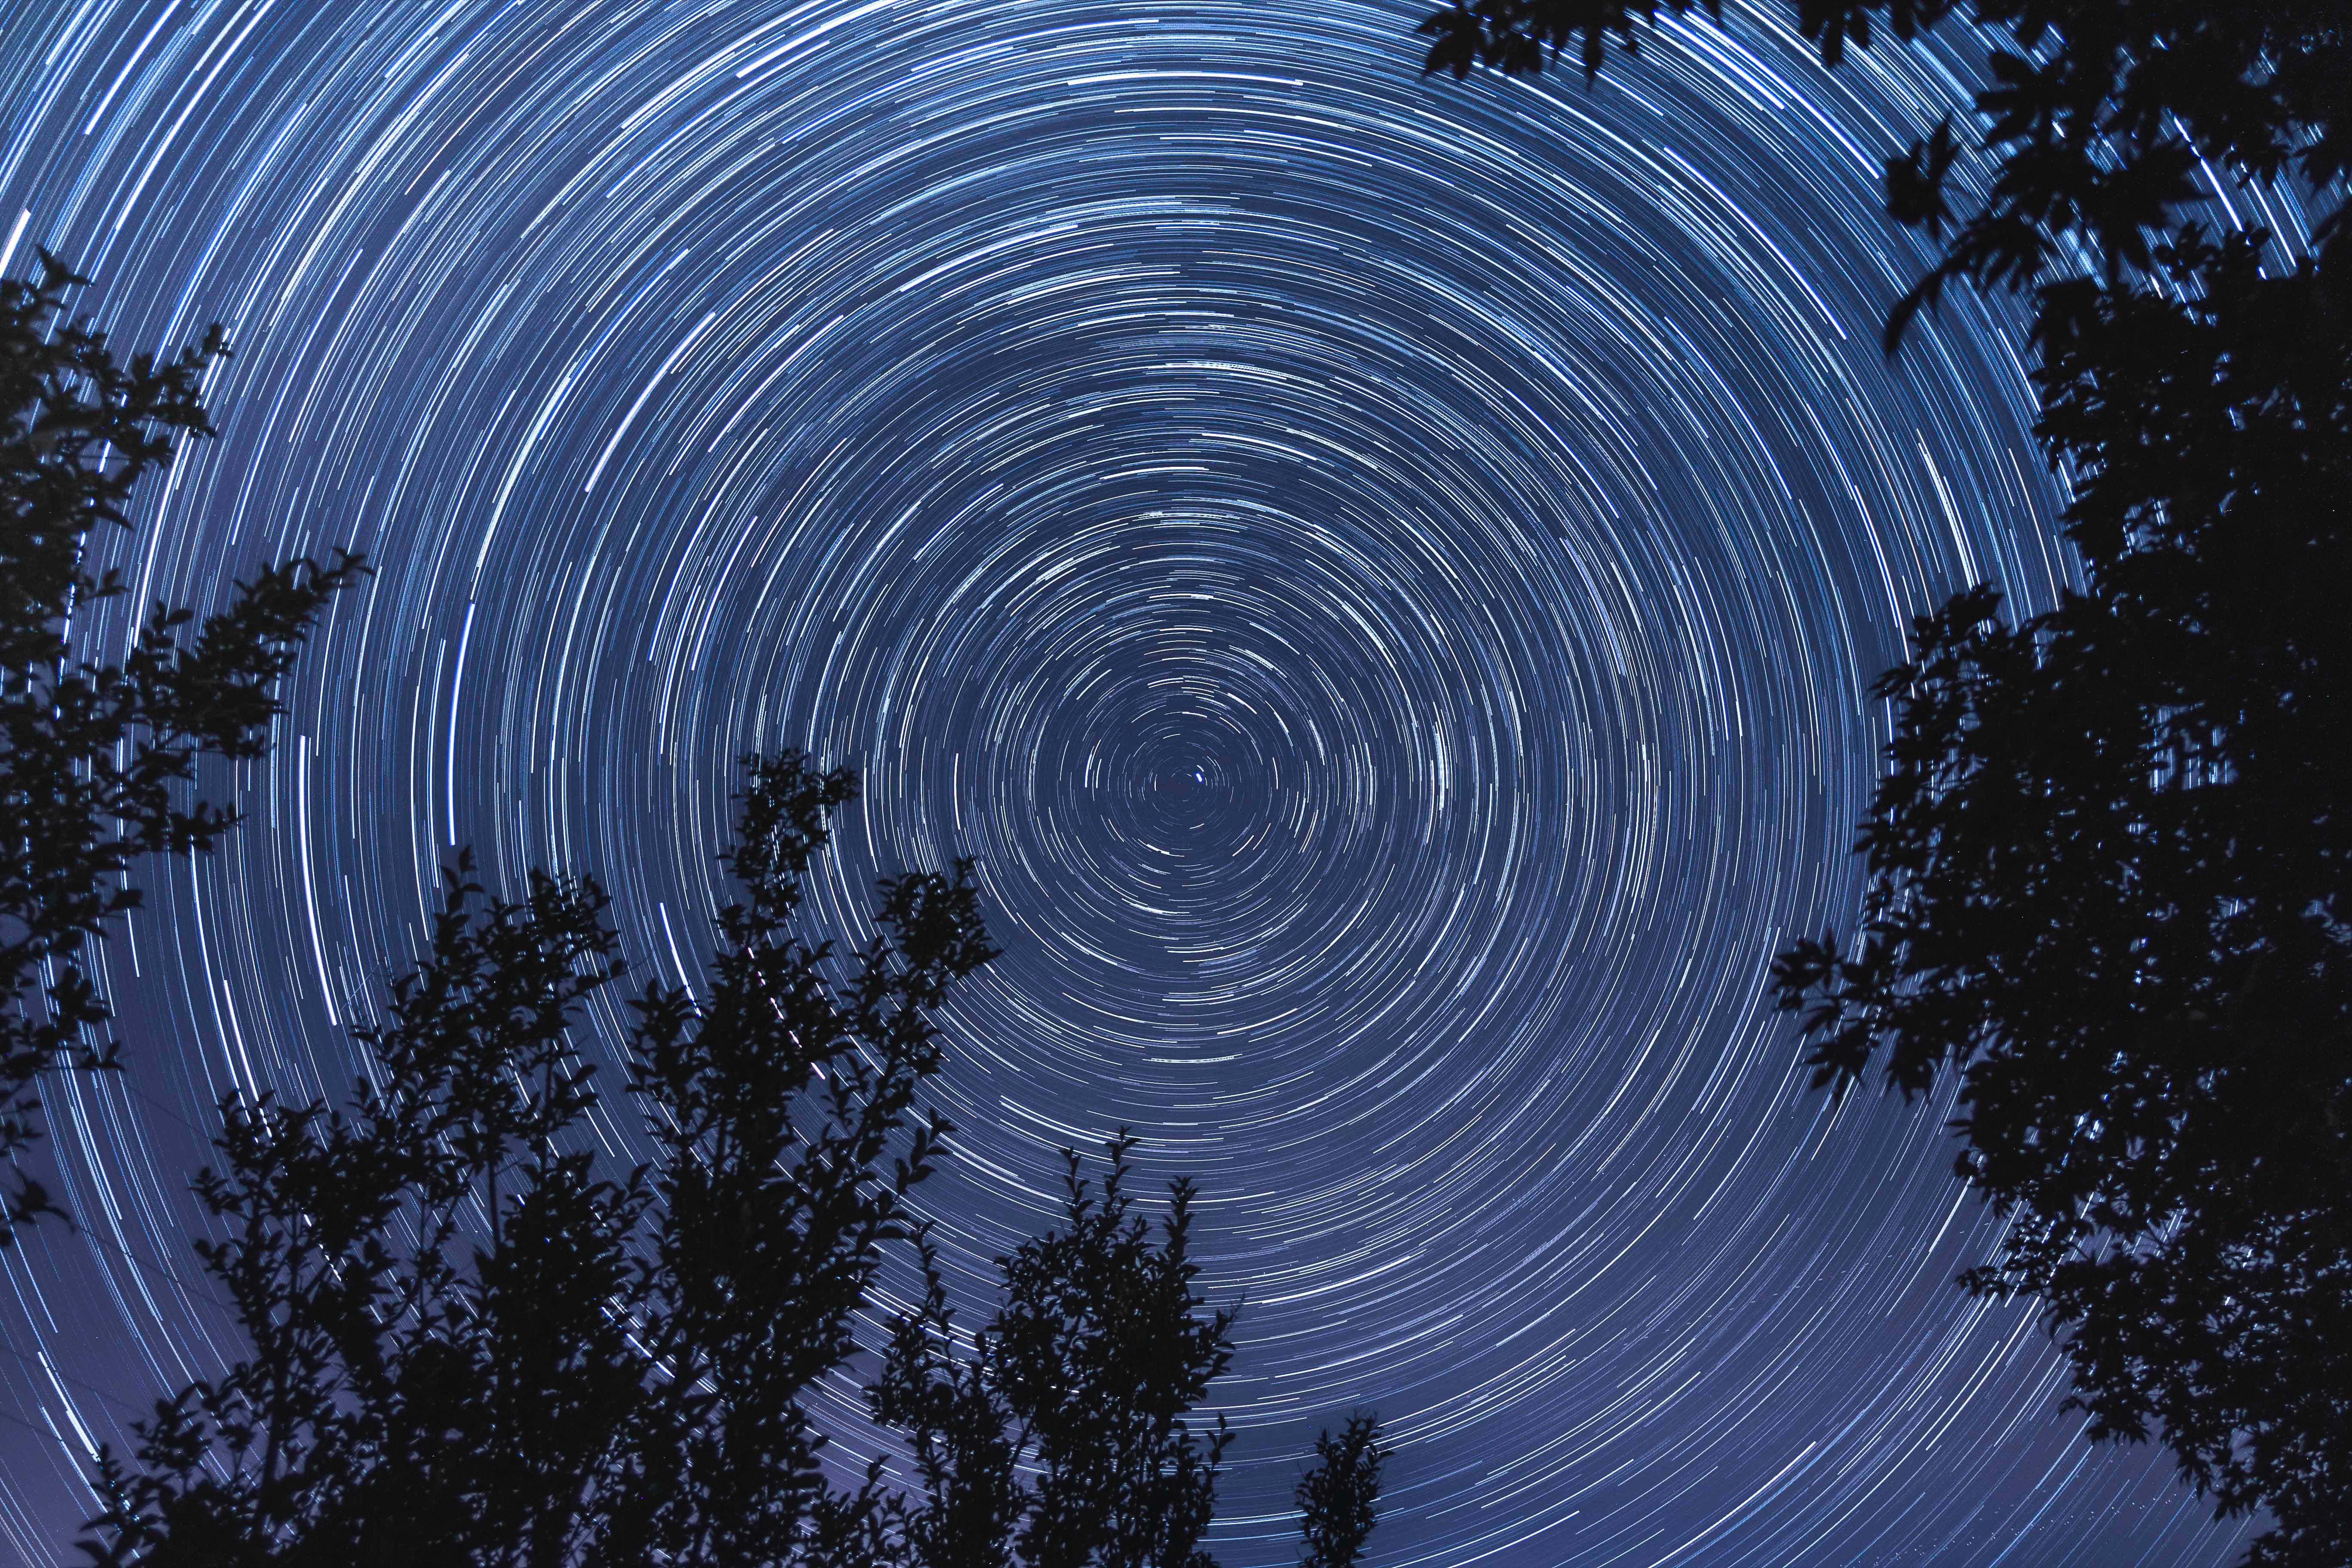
96	759
2108	860
474	1343
1336	1496
2108	882
1100	1348
471	1343
2094	125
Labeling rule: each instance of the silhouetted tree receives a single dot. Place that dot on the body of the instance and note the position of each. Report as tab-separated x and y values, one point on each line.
1100	1347
95	757
2098	116
1336	1495
2108	860
1056	1438
471	1344
474	1342
2108	885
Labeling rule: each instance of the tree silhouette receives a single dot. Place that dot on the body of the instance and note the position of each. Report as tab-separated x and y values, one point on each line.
2107	884
96	758
1100	1347
473	1342
470	1345
2109	857
2098	118
1336	1495
1098	1350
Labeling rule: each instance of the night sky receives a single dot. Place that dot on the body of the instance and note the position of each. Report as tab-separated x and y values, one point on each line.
1382	573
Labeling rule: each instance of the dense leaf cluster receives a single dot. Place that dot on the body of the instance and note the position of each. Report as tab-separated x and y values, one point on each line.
2108	859
2109	883
474	1342
2094	126
96	758
1083	1379
1337	1496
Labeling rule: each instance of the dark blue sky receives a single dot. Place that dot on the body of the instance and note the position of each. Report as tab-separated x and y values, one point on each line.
1382	573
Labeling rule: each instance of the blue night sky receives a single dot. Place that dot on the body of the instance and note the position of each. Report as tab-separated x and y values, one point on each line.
1383	575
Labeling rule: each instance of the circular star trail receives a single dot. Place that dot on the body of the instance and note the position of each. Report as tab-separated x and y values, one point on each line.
1383	576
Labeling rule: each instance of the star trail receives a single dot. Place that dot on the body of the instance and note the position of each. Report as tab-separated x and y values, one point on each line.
1383	575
